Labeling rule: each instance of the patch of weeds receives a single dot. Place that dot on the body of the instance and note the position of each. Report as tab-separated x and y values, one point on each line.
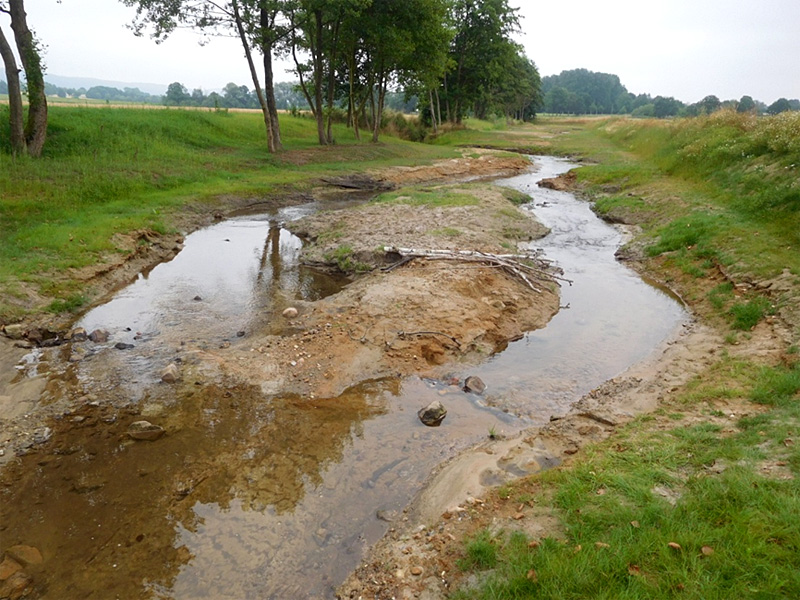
342	256
330	235
432	197
504	492
721	295
731	338
446	232
69	304
481	553
510	213
746	315
516	197
684	233
525	498
777	386
514	233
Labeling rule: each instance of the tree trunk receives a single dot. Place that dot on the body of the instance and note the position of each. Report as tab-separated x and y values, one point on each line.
262	101
438	106
318	76
267	24
36	127
433	112
376	126
332	80
17	119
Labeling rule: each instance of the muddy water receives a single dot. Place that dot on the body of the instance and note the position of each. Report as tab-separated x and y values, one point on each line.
613	319
249	496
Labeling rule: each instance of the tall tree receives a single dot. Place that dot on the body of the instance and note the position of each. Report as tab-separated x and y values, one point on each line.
483	37
35	129
252	21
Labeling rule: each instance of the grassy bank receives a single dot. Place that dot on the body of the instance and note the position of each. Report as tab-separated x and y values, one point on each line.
108	171
694	501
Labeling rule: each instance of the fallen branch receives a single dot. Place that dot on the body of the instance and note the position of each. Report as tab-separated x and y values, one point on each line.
528	267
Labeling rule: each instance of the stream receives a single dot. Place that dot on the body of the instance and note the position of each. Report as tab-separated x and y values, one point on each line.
251	496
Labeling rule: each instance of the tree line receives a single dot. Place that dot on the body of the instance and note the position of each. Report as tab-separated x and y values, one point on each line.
582	92
457	55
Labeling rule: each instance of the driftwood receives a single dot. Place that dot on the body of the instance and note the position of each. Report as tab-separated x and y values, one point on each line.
529	267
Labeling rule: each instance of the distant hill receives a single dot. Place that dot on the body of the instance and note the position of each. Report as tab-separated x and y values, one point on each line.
88	82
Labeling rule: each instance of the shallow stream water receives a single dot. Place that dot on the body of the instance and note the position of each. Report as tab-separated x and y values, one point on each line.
250	496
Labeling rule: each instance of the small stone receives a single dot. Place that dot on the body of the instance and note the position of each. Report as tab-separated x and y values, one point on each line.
145	430
99	336
474	384
518	516
78	335
601	545
170	373
42	435
25	555
197	299
8	567
240	333
123	346
290	313
416	571
433	414
707	550
674	546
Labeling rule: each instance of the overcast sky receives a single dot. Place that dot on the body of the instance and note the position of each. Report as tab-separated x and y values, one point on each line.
682	48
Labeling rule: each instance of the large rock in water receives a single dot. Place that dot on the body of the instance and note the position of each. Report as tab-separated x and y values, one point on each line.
474	384
433	414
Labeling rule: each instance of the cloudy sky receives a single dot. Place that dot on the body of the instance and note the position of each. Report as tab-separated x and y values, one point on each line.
682	48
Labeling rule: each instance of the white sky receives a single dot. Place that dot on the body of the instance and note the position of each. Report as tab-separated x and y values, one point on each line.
682	48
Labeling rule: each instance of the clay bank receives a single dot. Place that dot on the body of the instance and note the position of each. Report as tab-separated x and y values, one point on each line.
281	436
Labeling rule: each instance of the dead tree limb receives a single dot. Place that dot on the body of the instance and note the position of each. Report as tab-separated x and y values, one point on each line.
529	267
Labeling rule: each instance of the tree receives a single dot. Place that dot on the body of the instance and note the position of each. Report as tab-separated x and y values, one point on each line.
254	22
780	105
601	90
176	95
709	104
34	132
666	107
236	96
480	47
746	104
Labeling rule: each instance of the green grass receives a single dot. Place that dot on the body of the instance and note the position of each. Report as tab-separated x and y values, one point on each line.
429	197
623	505
111	170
